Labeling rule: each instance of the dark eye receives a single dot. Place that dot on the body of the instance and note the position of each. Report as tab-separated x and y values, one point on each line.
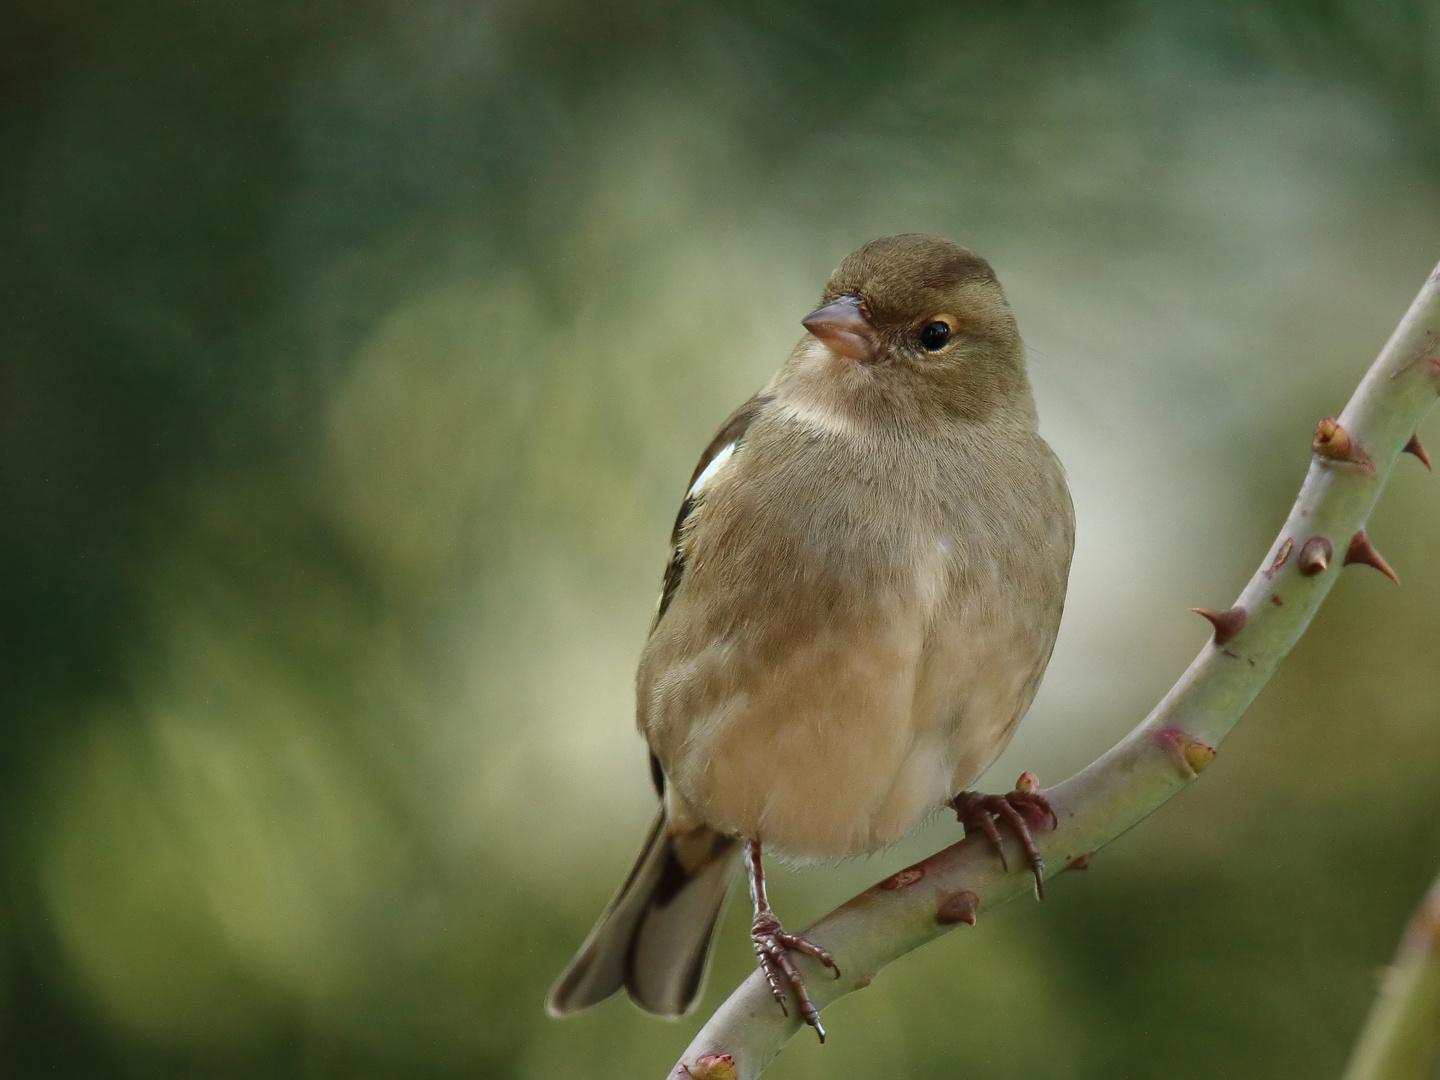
934	336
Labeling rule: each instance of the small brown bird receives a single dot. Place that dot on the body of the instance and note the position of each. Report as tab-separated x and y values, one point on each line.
865	582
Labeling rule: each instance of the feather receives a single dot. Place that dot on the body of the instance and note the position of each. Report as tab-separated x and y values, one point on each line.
654	937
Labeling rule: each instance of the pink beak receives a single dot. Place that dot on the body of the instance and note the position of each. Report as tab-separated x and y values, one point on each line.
844	327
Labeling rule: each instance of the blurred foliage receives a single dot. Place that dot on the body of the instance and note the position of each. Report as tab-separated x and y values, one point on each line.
354	356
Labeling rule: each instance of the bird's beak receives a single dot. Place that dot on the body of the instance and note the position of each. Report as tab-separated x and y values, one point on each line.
844	327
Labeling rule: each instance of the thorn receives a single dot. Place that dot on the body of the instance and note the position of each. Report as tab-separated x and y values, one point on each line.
1333	441
1189	752
711	1067
1080	862
1315	555
1028	783
958	908
1227	623
1282	556
1414	447
1361	551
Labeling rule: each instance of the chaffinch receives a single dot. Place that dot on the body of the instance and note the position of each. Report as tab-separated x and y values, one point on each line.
865	582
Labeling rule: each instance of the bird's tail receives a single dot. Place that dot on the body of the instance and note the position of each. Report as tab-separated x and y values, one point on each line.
654	936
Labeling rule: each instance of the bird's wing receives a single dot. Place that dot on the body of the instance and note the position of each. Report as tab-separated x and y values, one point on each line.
716	456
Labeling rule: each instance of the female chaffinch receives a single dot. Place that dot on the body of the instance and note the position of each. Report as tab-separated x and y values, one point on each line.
865	582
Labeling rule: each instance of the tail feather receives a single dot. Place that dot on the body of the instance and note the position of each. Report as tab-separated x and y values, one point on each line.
654	937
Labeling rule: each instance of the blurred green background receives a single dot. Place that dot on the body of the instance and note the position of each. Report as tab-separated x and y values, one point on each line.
353	357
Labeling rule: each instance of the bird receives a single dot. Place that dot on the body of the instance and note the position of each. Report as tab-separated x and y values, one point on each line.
865	582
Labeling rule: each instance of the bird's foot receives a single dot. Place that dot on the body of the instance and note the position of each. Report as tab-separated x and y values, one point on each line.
1024	808
772	947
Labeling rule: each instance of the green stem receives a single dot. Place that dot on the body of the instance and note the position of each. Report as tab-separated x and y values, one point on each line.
1403	1028
1161	756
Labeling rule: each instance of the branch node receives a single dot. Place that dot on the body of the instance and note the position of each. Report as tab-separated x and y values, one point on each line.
1333	442
1362	551
1282	556
1198	756
901	879
1192	755
708	1067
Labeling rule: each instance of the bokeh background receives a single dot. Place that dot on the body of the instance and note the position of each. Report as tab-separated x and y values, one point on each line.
353	357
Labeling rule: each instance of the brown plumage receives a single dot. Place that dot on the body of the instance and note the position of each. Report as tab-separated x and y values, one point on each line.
866	580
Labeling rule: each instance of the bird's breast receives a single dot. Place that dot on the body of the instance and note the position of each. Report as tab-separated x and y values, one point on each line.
843	645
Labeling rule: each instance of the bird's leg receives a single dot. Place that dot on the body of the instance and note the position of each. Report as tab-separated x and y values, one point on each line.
1020	807
773	945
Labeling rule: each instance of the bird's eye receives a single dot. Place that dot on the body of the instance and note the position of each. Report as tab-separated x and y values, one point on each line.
935	335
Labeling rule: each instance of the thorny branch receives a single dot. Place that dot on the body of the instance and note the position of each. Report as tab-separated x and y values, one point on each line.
1352	458
1403	1029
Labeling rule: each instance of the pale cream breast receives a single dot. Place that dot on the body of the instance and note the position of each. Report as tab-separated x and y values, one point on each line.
850	639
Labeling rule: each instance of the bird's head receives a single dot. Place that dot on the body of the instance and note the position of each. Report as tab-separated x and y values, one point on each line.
920	323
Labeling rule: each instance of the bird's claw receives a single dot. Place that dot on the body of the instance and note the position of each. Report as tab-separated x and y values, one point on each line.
772	948
977	811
